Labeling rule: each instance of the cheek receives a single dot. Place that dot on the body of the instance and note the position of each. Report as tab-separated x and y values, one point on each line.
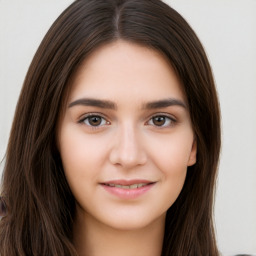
81	157
172	153
76	148
173	171
170	156
173	166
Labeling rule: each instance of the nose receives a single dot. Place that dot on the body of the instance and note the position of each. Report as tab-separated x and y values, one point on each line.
127	150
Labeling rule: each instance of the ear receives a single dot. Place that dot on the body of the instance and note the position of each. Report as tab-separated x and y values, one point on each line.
192	157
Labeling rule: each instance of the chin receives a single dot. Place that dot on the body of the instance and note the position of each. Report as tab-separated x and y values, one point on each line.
134	221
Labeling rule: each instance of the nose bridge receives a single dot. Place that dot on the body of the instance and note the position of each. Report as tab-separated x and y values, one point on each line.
128	150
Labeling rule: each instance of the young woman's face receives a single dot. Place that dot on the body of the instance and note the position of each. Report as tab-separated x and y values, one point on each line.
125	138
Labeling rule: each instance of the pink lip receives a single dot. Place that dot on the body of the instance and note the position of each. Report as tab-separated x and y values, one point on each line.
124	193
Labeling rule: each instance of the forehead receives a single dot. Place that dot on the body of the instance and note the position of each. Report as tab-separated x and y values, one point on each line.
124	69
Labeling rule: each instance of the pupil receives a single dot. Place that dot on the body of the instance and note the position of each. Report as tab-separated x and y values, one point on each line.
159	120
95	120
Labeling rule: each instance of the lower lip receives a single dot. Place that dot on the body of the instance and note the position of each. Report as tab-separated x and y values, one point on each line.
128	193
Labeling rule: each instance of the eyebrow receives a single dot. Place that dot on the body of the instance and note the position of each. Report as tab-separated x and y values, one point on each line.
111	105
94	103
164	103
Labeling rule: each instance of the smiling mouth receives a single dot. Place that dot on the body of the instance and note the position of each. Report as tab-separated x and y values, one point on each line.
133	186
128	189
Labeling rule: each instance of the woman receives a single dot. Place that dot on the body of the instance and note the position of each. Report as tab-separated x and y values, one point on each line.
115	142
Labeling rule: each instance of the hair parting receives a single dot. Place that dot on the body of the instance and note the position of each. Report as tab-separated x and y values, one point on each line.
40	206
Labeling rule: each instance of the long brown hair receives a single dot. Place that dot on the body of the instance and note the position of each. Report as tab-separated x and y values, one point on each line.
39	202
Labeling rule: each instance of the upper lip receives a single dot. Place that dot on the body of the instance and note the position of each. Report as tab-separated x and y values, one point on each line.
127	182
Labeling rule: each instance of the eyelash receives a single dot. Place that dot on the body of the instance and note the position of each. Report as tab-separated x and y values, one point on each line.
93	115
171	120
85	120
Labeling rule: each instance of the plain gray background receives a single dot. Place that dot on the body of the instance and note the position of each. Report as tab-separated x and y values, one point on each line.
227	28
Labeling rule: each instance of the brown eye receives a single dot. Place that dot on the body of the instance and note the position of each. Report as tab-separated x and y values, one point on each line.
94	121
161	121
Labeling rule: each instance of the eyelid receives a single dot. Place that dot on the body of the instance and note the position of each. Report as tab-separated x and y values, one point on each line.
92	114
166	115
81	120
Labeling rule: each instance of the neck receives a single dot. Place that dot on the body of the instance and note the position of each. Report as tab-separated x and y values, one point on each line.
92	238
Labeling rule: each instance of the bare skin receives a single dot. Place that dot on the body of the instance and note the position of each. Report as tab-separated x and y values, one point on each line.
111	242
125	140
